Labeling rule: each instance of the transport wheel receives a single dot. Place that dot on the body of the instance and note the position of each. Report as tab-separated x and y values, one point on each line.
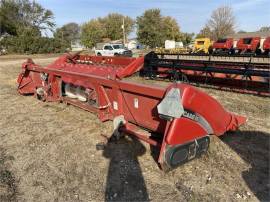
116	54
99	54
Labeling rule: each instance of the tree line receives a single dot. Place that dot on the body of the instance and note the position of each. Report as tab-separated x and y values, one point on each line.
152	29
23	24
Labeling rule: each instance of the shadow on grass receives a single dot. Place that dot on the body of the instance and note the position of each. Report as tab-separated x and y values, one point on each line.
124	179
8	188
254	148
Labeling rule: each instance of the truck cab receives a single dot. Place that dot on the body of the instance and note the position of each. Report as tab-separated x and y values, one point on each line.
223	46
113	50
202	45
248	45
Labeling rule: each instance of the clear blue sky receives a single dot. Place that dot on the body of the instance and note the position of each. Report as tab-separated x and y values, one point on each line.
190	14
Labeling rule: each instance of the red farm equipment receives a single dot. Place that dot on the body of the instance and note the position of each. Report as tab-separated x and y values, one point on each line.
223	46
179	117
248	45
266	46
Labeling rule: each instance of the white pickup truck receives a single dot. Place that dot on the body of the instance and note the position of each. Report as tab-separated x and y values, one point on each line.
113	50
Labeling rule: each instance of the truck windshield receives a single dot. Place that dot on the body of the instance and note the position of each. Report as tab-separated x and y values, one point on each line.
118	46
200	42
247	40
221	40
108	48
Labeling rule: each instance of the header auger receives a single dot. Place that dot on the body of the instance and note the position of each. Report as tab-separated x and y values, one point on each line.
180	117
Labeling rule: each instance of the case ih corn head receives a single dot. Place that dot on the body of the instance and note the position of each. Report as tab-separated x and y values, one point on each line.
180	117
237	73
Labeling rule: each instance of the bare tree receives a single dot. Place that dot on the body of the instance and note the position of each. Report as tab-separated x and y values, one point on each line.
265	29
222	22
205	32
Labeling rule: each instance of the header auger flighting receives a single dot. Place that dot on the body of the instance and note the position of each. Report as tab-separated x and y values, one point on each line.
179	117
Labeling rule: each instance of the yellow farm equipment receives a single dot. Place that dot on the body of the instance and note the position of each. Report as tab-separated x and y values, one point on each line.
172	51
203	45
